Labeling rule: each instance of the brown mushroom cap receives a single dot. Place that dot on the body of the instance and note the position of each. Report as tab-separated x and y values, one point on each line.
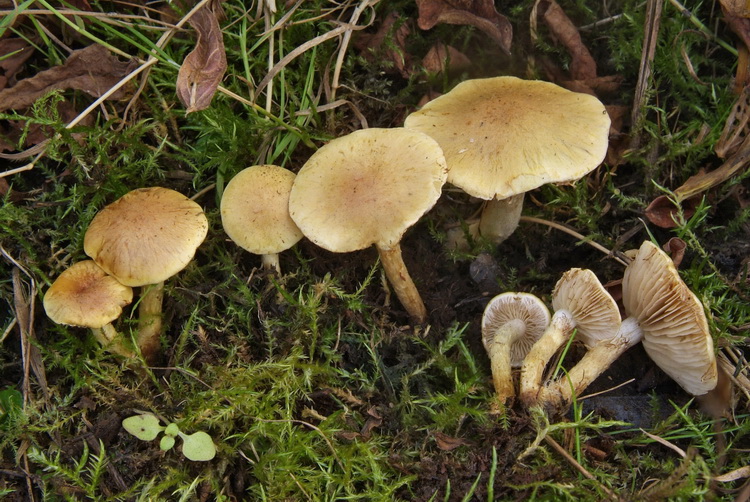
595	312
675	330
255	210
367	187
513	307
146	236
504	136
84	295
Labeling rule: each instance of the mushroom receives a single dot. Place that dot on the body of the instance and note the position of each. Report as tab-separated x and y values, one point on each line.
580	302
511	323
662	313
85	296
142	239
504	136
366	188
255	212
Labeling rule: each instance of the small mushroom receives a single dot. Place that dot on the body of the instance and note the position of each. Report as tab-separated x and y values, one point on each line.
255	212
142	239
366	188
511	323
505	136
580	302
85	296
662	313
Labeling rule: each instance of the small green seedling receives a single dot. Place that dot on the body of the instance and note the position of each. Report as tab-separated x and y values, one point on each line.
197	446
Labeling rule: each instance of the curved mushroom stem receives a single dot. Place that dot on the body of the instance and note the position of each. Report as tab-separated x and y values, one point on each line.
149	320
403	286
499	352
592	364
557	333
111	340
500	218
271	262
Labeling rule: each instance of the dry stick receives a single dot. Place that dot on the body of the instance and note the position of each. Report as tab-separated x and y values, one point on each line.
554	444
530	219
650	38
345	44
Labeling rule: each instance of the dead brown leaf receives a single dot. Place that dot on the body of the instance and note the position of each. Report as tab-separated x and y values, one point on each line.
675	247
478	13
93	70
662	211
203	69
448	443
372	45
13	54
582	65
442	57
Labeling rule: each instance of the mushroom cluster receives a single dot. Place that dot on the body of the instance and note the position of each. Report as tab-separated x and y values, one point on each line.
661	311
140	240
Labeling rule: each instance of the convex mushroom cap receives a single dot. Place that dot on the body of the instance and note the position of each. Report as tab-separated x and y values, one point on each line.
366	188
255	211
675	330
146	236
504	136
511	324
84	295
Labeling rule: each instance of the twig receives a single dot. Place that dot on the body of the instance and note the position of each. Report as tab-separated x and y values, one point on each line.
650	39
345	44
531	219
588	396
559	449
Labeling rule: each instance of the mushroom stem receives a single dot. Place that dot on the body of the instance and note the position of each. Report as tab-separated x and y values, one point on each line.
499	352
592	364
149	319
403	286
271	262
110	339
500	218
556	334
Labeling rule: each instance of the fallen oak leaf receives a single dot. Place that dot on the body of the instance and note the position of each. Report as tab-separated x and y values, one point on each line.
478	13
448	443
203	69
662	211
442	57
373	45
93	70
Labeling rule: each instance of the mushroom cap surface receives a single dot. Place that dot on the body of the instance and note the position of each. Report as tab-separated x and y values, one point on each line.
675	330
367	187
595	312
84	295
255	210
508	307
146	236
504	136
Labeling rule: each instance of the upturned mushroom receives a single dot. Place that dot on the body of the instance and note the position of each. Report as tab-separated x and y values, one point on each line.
142	239
511	323
662	313
84	295
504	136
255	212
580	302
366	188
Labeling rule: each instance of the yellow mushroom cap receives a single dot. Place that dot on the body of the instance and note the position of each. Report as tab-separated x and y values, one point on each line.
504	136
510	307
146	236
367	187
84	295
255	210
675	329
595	312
